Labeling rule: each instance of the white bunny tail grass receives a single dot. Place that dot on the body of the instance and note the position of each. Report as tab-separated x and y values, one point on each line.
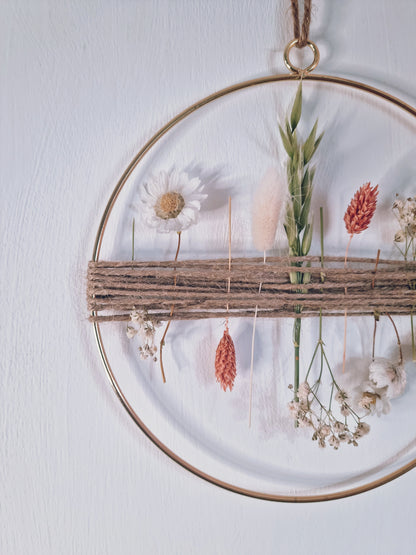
268	204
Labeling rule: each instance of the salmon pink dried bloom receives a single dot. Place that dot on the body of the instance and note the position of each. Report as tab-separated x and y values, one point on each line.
361	209
225	365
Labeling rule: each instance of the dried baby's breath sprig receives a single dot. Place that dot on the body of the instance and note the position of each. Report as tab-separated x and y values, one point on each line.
298	223
332	421
328	427
145	326
405	212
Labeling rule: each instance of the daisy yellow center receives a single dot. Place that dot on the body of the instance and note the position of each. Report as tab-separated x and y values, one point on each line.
169	205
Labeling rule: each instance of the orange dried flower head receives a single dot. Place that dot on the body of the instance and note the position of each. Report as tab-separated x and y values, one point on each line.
361	209
225	366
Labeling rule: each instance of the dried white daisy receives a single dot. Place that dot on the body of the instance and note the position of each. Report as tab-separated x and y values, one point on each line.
384	373
171	201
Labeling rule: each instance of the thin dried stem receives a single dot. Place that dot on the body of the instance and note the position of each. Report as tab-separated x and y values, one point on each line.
132	239
374	338
398	338
162	341
344	352
252	366
252	350
373	283
229	257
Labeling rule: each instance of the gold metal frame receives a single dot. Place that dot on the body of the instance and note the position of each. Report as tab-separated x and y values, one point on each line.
297	73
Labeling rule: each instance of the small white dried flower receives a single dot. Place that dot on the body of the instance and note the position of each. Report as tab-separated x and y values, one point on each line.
146	329
362	429
345	409
398	204
303	392
373	399
147	351
399	237
343	436
341	396
293	409
131	331
303	420
333	442
325	430
385	374
339	427
137	316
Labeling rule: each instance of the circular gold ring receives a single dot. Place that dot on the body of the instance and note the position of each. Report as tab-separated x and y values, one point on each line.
341	493
299	70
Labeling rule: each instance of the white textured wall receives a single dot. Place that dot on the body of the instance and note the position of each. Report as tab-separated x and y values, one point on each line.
83	84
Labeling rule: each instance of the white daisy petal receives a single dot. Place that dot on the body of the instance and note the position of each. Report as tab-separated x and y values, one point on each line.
196	198
144	194
174	180
188	216
190	186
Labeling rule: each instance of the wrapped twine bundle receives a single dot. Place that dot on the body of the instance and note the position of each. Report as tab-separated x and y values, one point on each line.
114	289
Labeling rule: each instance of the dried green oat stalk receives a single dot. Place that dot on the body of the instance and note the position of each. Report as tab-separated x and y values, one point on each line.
298	222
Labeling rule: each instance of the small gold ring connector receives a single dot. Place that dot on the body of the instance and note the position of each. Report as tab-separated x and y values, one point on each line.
300	70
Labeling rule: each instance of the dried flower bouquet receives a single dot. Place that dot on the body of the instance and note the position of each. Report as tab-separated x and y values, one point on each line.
297	285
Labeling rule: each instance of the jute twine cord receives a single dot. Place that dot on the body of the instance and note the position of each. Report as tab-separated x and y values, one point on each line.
301	32
201	288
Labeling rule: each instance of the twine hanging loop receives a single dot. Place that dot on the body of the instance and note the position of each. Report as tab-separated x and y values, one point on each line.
301	39
301	32
296	69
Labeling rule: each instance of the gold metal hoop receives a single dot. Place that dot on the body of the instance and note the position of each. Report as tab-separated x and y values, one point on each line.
299	70
96	254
